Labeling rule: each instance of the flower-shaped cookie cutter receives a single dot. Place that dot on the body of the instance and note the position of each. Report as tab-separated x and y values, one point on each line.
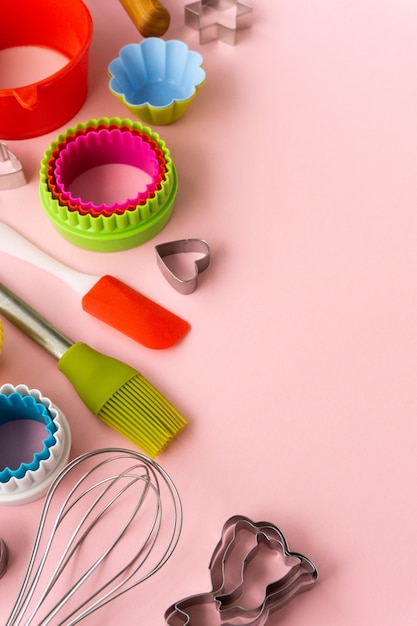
228	573
105	147
33	464
208	17
110	231
54	155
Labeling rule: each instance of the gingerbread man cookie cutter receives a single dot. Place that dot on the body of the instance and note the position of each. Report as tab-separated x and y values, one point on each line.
229	586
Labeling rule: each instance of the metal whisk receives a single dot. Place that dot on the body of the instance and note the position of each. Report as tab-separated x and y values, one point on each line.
134	509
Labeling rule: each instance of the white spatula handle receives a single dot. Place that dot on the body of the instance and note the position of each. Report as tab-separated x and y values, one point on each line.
18	246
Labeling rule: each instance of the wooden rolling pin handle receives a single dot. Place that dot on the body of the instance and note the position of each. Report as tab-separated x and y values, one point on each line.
150	17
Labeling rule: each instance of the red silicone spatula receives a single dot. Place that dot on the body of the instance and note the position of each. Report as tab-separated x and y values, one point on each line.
106	297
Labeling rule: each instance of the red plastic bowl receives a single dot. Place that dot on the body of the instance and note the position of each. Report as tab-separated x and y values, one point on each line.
64	26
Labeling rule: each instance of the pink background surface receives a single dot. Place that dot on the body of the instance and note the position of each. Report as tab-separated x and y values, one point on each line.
297	164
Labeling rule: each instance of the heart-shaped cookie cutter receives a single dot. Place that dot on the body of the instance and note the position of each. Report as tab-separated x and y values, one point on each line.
183	246
228	589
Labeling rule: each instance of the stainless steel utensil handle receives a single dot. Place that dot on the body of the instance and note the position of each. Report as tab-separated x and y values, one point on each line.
32	323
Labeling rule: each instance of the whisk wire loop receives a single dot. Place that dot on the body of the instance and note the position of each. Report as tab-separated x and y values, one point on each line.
156	510
74	543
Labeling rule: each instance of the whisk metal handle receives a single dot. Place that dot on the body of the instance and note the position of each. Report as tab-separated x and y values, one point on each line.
32	323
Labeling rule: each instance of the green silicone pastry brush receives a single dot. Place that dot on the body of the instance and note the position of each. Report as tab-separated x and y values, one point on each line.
115	392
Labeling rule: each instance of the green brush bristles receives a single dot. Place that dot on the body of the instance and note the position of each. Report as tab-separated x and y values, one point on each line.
141	413
122	398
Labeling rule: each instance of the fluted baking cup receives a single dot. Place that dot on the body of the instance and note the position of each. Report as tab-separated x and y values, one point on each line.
103	148
29	478
157	80
116	231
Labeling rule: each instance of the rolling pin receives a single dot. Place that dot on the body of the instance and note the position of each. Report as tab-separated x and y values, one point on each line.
150	17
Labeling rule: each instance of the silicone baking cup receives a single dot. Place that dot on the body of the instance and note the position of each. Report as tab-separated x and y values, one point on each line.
157	80
29	478
106	228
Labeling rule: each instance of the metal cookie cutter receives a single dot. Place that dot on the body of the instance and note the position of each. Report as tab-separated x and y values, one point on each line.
179	247
229	567
208	17
11	171
3	557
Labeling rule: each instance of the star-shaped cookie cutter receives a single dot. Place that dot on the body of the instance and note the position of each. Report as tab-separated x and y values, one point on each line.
208	17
